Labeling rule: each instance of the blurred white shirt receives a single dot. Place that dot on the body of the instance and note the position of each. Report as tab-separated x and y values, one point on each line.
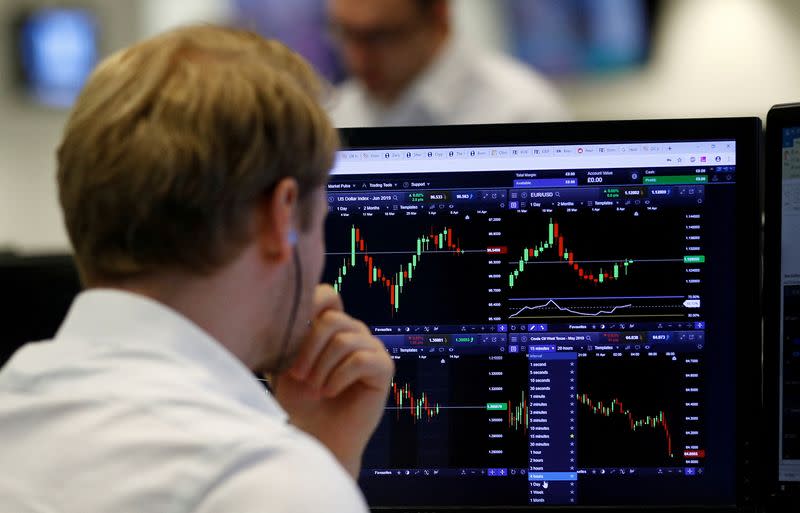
133	408
463	85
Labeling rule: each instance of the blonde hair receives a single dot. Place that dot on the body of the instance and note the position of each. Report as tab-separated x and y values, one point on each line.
174	141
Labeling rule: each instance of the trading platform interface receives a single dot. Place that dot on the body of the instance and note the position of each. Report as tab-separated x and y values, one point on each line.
789	441
554	314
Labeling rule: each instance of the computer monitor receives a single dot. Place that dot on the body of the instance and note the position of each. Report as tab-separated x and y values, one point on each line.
782	305
572	310
570	37
56	49
38	291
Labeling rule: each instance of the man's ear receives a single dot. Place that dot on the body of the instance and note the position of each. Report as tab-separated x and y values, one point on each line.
276	234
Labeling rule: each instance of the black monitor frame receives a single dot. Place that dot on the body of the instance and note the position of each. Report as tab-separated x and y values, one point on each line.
40	289
748	134
779	494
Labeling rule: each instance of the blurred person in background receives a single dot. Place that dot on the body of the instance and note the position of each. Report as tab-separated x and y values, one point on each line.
409	68
297	24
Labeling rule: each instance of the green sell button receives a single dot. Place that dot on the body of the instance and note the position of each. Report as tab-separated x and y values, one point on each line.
694	259
497	406
674	180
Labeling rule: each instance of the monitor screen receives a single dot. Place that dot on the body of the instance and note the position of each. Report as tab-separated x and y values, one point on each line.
789	357
568	37
562	315
57	48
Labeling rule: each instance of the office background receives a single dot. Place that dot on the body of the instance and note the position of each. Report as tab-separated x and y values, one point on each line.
707	58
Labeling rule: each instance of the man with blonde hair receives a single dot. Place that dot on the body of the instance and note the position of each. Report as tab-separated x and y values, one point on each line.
191	176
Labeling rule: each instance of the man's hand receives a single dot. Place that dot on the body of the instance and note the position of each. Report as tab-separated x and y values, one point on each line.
336	389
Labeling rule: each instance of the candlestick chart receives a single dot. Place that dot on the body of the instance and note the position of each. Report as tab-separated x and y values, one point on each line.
453	414
603	265
409	270
627	417
634	422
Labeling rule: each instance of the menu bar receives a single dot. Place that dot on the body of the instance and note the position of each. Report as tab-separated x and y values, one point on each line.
401	160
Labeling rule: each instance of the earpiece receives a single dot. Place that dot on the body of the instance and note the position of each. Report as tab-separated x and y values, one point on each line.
292	238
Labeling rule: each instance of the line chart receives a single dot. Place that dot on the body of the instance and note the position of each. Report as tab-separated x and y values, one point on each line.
560	308
602	307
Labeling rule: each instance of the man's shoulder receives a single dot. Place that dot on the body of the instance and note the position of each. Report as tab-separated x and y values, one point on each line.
300	477
521	88
190	442
349	106
502	67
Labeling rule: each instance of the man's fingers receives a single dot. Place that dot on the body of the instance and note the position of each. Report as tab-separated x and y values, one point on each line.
338	349
325	298
323	329
372	368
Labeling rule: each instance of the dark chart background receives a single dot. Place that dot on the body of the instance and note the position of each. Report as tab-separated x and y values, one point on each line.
445	287
646	385
655	241
459	436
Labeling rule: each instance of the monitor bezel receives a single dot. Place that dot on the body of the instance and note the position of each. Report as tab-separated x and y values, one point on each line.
779	493
747	134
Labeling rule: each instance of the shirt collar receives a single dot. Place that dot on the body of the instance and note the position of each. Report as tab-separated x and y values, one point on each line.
117	318
437	88
432	95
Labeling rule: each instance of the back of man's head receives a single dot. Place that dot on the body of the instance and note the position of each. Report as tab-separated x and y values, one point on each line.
175	140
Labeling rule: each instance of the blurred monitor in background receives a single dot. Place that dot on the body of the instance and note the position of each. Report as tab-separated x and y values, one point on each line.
408	67
56	50
574	37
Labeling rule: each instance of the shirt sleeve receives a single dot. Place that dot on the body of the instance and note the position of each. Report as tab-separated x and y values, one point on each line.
298	478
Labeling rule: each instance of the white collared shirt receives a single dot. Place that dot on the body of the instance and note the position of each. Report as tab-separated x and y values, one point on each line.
462	85
132	408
